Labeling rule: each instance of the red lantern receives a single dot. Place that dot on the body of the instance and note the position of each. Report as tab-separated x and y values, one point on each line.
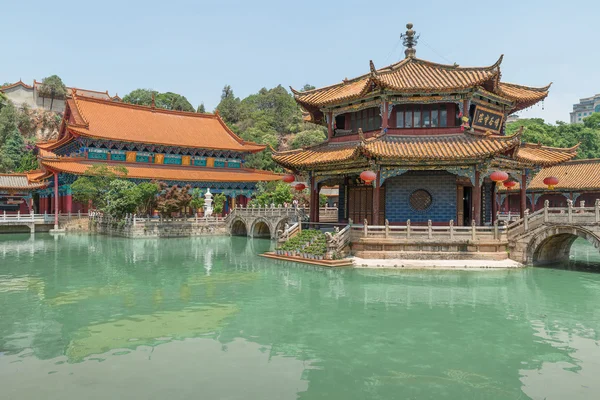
288	178
550	182
368	176
499	176
509	184
300	187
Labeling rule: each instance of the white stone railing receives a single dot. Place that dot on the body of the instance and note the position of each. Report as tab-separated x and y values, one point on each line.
428	232
38	218
289	232
136	220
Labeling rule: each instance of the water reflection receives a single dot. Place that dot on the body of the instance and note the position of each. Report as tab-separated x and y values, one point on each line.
208	314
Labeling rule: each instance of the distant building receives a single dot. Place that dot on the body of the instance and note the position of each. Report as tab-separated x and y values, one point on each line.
512	118
21	93
585	108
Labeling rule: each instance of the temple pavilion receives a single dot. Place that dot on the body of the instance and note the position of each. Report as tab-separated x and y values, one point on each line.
178	148
429	134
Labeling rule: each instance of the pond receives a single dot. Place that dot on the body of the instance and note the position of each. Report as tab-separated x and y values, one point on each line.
100	318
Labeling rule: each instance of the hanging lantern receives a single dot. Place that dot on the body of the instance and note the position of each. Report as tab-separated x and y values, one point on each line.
509	184
288	178
300	187
499	176
551	181
368	176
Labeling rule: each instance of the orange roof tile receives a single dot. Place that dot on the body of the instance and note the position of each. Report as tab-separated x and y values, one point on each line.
165	172
523	96
17	181
131	123
543	155
19	83
409	75
572	175
460	146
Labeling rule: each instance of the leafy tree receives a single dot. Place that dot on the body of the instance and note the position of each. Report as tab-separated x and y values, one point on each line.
308	138
3	100
229	106
307	87
140	97
95	183
593	121
197	201
148	193
219	203
52	87
201	109
276	192
8	121
172	199
122	197
28	162
322	200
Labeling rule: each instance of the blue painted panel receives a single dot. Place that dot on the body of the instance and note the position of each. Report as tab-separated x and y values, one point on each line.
440	184
233	164
117	157
200	162
142	158
173	160
219	164
97	156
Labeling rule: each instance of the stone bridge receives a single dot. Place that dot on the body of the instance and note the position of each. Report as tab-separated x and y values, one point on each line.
262	221
546	236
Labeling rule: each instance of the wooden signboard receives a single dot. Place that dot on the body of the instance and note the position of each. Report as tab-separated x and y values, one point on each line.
487	120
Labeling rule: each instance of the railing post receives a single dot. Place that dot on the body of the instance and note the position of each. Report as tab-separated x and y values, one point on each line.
546	206
597	210
31	214
387	228
4	215
526	220
473	230
134	219
365	228
451	229
496	236
408	228
18	215
570	210
78	213
429	230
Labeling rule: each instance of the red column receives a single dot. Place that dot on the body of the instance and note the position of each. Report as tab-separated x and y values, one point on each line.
69	203
56	203
42	205
523	196
494	202
314	201
330	125
533	202
375	219
384	117
477	200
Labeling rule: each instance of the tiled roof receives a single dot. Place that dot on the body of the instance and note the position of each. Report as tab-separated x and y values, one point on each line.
523	96
462	146
441	147
130	123
543	155
572	175
17	181
409	75
19	83
165	172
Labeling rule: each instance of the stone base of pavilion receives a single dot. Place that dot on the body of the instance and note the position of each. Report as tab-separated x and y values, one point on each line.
452	264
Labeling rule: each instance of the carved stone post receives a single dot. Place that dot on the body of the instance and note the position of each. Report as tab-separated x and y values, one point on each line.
387	228
570	210
408	228
496	236
451	229
597	210
473	230
526	220
429	230
365	228
546	205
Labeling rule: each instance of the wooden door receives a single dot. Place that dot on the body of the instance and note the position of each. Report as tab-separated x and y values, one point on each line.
360	205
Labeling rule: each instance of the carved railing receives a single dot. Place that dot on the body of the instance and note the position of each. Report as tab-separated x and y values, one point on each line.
338	241
288	232
37	218
429	232
136	220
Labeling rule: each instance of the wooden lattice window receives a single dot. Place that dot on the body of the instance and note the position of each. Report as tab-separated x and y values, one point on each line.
420	200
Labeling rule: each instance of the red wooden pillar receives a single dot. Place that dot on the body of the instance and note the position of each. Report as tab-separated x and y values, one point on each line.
56	203
314	200
523	195
533	202
494	202
68	203
477	200
330	125
376	186
384	117
42	205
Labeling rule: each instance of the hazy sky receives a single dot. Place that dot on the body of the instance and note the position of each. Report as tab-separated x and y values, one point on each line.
196	47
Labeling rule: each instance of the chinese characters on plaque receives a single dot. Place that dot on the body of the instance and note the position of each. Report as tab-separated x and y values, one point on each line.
487	120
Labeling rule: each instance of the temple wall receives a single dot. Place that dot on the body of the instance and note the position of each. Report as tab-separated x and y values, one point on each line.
158	229
440	184
19	95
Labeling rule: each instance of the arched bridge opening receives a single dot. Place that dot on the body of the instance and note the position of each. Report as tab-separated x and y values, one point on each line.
261	229
238	228
553	245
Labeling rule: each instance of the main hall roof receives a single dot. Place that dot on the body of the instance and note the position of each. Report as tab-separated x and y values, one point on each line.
101	119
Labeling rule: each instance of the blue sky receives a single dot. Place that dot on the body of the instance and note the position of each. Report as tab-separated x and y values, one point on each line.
196	47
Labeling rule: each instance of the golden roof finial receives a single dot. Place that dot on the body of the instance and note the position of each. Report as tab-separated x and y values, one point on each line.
409	39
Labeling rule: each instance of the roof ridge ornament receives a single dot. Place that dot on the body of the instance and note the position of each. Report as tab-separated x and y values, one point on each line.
409	40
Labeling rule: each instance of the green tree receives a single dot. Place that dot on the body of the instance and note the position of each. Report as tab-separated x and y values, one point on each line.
307	87
122	197
95	183
172	199
593	121
148	194
308	138
219	203
140	97
52	87
173	101
197	201
229	106
28	162
275	192
3	100
201	109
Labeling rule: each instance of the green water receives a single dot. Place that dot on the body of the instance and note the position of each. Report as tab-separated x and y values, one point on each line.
102	318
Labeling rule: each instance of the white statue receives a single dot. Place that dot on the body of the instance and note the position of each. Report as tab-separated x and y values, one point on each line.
208	210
